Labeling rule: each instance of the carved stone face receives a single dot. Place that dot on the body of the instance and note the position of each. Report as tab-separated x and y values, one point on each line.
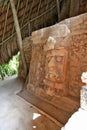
55	68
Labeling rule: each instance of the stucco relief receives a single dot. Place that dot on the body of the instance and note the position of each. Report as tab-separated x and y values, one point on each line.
55	68
78	63
59	56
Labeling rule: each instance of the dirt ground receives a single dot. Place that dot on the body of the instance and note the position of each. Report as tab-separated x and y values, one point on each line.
16	113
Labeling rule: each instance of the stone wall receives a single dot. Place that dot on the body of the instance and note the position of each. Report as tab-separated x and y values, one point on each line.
27	48
78	62
59	56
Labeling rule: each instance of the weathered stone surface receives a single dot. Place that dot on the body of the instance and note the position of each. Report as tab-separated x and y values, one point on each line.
55	69
85	18
53	31
77	21
48	66
78	62
77	25
59	57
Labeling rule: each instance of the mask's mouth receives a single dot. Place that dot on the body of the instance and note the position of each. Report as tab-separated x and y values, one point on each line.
53	77
54	74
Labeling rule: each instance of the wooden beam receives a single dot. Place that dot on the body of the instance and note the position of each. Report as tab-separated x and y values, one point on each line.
74	7
45	17
37	13
17	13
58	9
29	28
24	13
29	23
5	22
18	32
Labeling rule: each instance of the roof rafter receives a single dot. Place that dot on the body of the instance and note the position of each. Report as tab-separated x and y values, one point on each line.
28	23
5	21
18	32
24	13
17	13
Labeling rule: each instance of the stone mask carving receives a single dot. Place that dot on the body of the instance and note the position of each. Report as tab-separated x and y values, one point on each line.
55	67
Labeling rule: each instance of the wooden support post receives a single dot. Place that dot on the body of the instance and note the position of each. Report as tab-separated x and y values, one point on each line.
17	28
74	7
58	9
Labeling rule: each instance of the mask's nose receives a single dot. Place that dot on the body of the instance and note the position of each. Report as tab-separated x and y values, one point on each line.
52	62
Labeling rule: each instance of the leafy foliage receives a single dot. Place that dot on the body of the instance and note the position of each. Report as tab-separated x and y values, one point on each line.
11	68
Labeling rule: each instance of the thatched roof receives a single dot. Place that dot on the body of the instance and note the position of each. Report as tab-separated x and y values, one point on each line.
35	14
32	15
3	2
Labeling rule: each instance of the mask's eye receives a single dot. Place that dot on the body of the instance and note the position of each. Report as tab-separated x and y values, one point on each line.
59	58
48	59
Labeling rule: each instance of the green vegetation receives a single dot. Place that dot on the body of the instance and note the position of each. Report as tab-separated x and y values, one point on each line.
11	68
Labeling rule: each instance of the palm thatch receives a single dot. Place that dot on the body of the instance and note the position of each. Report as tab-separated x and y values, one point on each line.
33	15
7	50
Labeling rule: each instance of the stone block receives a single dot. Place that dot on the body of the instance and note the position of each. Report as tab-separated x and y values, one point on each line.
85	18
59	56
76	21
53	31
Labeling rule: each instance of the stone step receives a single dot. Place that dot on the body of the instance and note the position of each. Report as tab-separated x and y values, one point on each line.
54	111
